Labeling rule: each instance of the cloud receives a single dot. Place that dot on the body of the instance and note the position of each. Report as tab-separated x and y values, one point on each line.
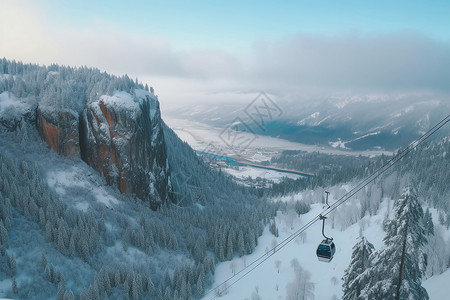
22	34
389	62
290	65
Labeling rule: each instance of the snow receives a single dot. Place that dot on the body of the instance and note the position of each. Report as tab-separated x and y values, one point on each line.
438	286
125	101
312	116
120	99
325	276
142	94
338	144
341	144
5	286
200	135
323	120
11	107
403	111
64	180
342	104
244	172
53	73
364	136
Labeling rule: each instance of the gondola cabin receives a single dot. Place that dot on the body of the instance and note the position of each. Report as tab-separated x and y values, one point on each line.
325	250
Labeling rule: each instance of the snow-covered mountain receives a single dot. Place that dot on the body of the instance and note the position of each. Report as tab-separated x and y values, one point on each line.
99	199
113	124
85	159
354	123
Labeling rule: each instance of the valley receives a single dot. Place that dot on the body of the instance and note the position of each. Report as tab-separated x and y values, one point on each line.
207	141
145	206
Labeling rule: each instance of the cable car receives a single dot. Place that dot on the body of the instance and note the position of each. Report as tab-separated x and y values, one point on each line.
326	249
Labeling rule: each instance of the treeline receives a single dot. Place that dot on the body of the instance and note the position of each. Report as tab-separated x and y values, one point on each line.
61	87
426	167
73	232
317	162
329	170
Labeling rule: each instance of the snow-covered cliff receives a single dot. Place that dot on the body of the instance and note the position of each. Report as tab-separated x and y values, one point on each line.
119	136
113	123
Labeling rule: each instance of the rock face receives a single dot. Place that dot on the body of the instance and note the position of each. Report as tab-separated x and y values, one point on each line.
60	131
120	136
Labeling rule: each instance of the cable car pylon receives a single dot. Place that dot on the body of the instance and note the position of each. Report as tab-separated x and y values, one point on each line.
326	249
326	200
323	227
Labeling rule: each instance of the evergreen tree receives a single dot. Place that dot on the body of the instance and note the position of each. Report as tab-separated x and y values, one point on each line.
14	286
117	279
167	280
428	222
68	295
4	240
167	294
106	283
50	273
353	282
230	249
12	265
61	291
397	269
200	286
301	288
84	295
72	250
240	243
150	287
135	292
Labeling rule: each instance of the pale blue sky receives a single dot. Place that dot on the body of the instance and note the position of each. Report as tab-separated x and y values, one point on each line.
202	49
231	24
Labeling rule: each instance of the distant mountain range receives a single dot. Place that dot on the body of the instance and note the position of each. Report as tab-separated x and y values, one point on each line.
347	123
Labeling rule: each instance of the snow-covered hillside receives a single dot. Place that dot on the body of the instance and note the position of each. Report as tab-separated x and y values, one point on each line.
67	228
271	279
68	232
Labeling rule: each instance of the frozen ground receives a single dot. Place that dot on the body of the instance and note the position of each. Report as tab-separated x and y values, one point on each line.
244	172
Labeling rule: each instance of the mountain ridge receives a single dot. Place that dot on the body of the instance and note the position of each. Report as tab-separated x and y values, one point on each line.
113	123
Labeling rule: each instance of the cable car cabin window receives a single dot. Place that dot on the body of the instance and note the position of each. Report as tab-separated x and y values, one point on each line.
324	250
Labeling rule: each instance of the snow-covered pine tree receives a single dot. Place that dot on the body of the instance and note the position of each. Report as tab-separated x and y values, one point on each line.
4	240
428	222
301	288
397	269
68	295
353	282
14	286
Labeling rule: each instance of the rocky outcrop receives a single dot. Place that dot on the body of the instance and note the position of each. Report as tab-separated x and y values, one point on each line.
60	131
120	136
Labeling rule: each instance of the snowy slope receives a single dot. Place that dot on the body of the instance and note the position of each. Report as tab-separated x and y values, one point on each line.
13	107
438	286
326	277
